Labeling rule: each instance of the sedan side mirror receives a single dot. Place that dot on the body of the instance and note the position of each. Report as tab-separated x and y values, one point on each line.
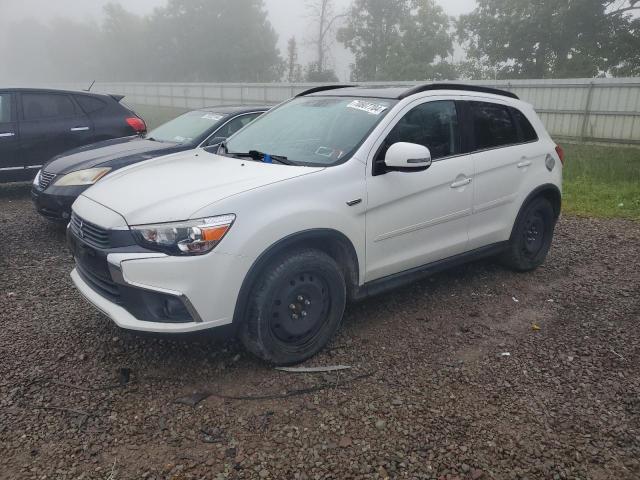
407	157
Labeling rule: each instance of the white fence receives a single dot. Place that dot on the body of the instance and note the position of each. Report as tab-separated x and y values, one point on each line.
605	110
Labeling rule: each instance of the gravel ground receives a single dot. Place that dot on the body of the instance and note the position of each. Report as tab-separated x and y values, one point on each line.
429	394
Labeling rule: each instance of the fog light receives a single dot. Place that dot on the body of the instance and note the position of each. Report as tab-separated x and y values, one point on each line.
174	309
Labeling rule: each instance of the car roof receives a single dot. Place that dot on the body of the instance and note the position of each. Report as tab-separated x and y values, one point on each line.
55	90
235	109
395	92
389	92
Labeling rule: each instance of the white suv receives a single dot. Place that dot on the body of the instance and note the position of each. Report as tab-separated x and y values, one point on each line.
335	195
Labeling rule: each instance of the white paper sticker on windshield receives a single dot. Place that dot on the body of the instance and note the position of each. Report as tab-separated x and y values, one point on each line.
372	108
213	116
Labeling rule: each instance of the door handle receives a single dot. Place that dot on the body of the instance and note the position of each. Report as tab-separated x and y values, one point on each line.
525	164
79	129
461	183
7	134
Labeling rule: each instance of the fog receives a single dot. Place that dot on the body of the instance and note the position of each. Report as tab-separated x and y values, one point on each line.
167	40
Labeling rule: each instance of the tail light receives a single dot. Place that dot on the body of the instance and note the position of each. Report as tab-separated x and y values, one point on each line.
560	153
137	124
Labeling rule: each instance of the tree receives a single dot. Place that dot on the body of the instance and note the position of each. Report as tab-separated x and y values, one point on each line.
626	56
294	69
324	21
314	74
215	40
564	38
187	40
398	40
124	45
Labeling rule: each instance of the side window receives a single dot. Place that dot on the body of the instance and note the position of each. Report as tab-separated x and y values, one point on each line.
37	106
90	104
526	129
5	107
493	125
432	124
236	124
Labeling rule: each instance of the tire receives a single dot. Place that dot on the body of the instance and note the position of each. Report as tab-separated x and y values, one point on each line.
295	307
531	237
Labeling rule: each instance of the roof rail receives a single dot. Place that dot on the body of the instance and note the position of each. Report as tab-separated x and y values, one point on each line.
322	89
456	86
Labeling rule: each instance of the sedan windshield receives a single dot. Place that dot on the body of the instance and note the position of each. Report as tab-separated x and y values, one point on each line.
314	131
187	127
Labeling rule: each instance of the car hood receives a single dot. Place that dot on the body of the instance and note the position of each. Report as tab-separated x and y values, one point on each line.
115	153
173	188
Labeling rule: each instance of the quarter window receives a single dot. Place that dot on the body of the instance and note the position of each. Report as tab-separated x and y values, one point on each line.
37	106
526	129
432	124
90	104
493	125
5	107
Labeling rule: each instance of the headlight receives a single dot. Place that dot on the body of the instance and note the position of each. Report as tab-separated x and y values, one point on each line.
82	177
36	181
192	237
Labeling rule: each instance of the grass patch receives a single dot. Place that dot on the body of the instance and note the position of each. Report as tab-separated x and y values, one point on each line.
602	181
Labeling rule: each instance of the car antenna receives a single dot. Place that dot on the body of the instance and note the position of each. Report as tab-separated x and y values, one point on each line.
89	89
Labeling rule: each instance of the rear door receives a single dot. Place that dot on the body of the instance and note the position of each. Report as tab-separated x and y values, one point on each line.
502	161
11	162
51	123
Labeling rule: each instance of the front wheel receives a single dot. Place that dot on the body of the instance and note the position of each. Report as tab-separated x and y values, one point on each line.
295	307
532	236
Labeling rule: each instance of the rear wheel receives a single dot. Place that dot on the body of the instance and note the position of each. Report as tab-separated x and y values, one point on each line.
532	236
295	307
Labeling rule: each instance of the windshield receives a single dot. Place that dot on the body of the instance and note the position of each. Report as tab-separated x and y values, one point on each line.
186	128
314	131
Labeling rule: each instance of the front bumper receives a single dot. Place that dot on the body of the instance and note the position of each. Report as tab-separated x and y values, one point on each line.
54	203
123	318
153	292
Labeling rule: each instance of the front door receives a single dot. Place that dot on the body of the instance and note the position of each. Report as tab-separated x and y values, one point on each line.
11	161
416	218
51	124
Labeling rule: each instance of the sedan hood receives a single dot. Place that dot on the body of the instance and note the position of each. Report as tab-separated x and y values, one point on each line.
173	188
115	153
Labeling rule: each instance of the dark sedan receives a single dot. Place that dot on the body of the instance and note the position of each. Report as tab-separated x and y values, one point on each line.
36	125
64	178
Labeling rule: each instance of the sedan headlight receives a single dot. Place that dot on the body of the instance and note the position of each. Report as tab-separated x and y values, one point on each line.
82	177
36	181
192	237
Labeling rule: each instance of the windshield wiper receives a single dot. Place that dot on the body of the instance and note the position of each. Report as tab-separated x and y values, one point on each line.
260	156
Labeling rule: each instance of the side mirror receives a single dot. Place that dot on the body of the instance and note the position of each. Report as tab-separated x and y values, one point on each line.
407	157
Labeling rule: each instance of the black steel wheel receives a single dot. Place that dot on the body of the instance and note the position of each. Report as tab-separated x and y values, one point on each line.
296	306
532	236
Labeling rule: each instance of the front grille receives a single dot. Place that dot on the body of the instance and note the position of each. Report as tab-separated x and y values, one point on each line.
89	232
105	287
45	179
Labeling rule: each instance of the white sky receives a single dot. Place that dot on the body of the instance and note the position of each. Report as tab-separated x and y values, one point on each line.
287	17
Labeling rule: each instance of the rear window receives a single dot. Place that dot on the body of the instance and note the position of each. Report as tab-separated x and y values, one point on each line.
45	105
528	132
90	104
493	125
